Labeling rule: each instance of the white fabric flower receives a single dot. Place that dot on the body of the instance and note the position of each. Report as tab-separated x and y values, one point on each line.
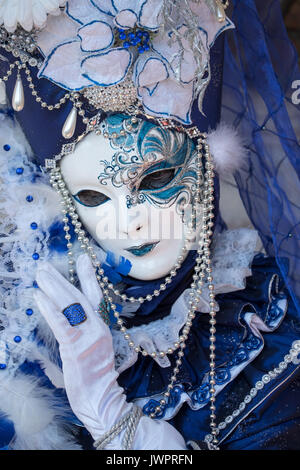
97	42
27	13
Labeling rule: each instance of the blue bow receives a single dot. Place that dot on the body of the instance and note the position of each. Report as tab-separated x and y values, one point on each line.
114	269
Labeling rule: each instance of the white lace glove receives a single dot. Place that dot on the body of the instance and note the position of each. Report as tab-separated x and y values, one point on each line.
88	360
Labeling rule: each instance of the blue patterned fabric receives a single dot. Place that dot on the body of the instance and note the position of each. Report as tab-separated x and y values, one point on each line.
274	413
236	343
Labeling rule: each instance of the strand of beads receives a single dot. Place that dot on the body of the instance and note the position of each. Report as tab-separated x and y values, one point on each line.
38	99
208	201
202	269
59	185
103	280
104	283
18	99
173	272
273	374
43	104
204	243
9	72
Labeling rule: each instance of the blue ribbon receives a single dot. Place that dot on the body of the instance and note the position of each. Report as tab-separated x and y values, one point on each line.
114	269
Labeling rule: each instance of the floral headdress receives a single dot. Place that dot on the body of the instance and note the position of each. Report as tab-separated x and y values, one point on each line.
147	57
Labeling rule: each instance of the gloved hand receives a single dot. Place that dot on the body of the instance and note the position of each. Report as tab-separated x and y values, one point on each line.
88	360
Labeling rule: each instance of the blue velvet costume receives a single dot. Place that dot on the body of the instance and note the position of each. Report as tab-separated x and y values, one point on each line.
255	414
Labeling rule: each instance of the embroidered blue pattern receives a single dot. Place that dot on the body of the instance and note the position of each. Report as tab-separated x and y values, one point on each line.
249	347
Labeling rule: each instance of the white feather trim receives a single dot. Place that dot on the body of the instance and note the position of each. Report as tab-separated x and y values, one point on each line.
37	414
27	13
227	148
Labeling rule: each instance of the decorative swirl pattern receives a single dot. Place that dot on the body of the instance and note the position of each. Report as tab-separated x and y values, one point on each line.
147	150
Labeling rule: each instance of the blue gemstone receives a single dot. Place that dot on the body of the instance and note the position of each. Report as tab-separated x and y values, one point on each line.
141	49
2	366
146	34
29	311
29	198
34	225
120	30
6	147
131	35
122	36
74	314
35	256
17	339
139	34
19	171
126	44
146	47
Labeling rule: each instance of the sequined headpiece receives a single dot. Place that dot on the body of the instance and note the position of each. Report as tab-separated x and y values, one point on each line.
95	57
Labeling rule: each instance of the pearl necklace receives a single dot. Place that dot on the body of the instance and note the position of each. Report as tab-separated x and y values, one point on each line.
202	270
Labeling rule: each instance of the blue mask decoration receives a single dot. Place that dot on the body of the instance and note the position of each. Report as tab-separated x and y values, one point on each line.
156	164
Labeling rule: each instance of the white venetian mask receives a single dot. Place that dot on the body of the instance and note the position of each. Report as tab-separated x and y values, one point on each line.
133	193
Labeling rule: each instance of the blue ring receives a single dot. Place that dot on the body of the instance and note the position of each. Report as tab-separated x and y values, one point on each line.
75	314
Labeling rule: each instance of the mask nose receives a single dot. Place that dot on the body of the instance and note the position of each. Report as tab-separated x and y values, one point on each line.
133	221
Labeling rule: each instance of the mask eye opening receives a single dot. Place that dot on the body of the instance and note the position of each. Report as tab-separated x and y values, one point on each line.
90	198
157	180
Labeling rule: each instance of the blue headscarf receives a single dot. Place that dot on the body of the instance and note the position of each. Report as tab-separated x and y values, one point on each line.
259	99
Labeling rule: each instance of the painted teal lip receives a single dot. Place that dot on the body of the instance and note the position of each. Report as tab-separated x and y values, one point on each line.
142	250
